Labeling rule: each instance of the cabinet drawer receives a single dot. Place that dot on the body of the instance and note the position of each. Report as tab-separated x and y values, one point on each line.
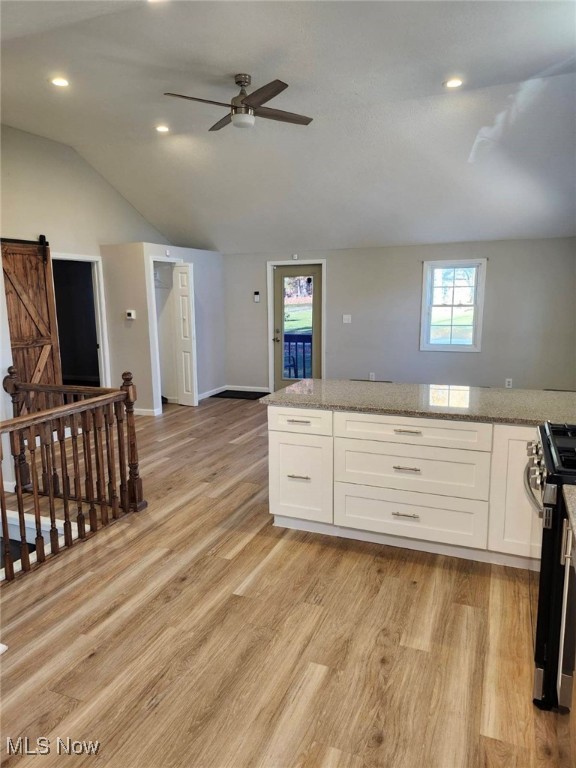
303	420
431	432
403	513
301	476
465	474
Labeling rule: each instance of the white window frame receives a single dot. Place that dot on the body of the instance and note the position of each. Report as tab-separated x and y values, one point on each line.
428	267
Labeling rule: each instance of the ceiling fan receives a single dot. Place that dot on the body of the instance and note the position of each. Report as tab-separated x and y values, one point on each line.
244	108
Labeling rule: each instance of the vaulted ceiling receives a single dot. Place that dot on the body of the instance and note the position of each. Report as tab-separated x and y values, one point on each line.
391	156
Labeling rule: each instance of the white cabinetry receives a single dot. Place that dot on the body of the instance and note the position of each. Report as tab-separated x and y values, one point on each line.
515	527
301	464
438	485
417	478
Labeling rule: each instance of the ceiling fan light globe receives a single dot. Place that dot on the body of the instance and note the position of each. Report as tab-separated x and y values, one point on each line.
243	120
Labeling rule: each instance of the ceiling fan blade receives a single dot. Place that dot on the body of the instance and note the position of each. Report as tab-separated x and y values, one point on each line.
204	101
222	123
264	94
283	117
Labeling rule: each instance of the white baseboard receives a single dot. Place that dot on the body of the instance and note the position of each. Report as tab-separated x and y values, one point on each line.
210	392
466	553
9	486
147	411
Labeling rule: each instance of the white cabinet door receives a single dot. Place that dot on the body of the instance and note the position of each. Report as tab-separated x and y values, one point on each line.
514	527
301	476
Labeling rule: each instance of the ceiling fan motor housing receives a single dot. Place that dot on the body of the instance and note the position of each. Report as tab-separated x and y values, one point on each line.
243	81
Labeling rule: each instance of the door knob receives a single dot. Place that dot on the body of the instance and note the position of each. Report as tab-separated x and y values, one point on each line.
276	339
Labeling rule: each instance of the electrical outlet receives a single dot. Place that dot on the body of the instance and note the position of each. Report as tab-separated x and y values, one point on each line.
372	376
508	383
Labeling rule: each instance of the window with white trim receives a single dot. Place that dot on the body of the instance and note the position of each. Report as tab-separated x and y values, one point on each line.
452	305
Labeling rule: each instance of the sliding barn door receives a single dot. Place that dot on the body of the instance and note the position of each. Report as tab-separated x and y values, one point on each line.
31	311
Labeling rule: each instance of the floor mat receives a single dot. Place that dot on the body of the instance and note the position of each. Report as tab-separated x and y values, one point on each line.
240	395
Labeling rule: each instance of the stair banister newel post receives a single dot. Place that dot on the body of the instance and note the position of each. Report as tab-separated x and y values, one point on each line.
135	490
11	386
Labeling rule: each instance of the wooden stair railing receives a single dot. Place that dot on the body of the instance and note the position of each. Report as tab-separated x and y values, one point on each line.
75	464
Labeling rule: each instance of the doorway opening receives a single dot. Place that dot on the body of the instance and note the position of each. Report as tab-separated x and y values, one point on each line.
81	320
76	314
296	321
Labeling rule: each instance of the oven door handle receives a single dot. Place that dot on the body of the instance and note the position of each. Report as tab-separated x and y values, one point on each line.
530	493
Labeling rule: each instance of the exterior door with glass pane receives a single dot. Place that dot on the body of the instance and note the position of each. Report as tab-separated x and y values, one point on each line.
297	323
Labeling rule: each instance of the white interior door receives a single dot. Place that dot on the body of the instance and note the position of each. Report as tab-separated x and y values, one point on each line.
185	335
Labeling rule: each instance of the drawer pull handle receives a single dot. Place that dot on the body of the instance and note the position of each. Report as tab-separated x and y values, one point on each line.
298	421
406	469
408	431
406	514
299	477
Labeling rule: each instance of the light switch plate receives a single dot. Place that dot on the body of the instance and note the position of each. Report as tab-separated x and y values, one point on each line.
346	318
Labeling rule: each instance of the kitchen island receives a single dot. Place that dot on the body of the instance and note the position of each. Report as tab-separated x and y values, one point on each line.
439	468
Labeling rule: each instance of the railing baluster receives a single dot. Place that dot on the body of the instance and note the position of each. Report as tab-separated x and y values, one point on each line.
52	403
61	432
80	521
98	422
119	411
15	439
112	491
88	471
46	439
30	438
8	564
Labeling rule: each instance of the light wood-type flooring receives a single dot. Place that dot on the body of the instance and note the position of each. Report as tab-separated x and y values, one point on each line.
197	635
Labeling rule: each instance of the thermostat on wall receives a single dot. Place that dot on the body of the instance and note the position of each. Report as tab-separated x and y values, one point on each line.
130	314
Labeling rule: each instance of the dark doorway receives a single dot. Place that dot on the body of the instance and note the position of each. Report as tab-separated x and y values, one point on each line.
74	290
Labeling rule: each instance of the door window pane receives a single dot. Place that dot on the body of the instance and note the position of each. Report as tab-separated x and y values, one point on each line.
297	299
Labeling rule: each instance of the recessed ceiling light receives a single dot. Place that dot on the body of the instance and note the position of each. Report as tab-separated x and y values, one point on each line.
454	82
61	82
162	128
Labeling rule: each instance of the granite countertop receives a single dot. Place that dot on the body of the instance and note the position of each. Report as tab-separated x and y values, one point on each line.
527	407
569	492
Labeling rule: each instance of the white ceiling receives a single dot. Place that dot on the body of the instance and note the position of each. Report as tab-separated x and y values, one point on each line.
386	158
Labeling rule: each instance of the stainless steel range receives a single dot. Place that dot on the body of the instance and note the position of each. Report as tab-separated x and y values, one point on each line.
552	464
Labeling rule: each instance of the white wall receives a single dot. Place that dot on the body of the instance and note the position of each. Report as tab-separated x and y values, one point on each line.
47	188
529	315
